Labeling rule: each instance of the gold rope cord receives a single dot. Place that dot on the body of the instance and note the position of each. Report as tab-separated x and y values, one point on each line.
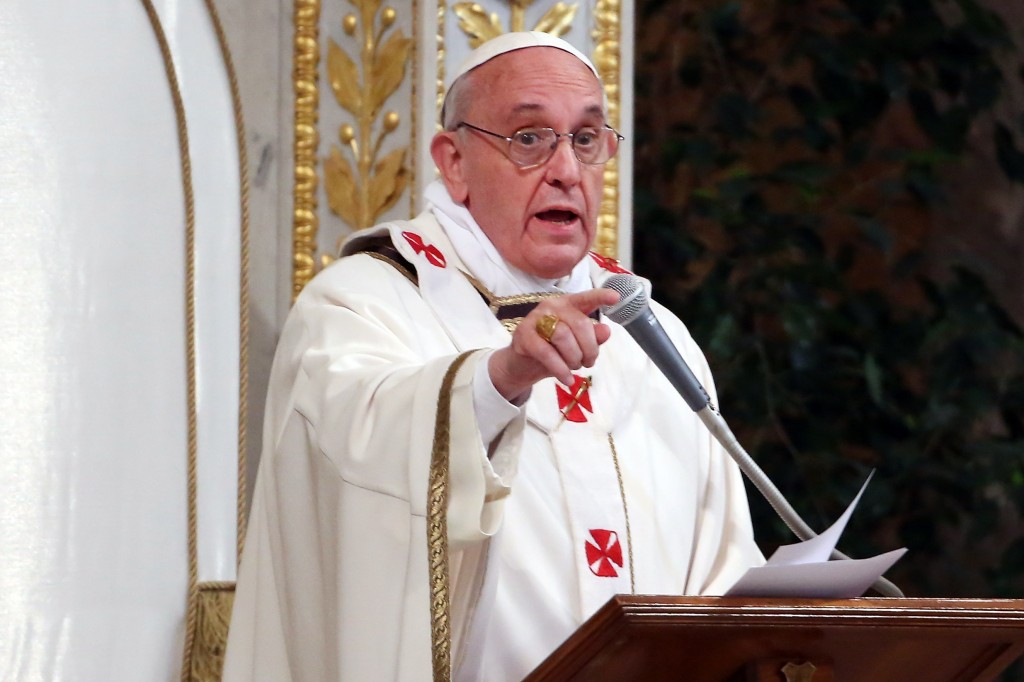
209	604
437	528
243	294
625	510
190	326
205	659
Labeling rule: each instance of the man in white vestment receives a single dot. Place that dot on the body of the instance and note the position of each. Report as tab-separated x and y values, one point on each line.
462	460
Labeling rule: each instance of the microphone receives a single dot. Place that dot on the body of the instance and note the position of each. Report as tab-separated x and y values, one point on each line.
633	312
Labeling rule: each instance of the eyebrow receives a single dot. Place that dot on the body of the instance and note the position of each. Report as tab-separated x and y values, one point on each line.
529	107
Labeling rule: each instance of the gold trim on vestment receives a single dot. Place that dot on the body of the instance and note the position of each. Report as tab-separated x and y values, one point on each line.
625	510
495	303
395	264
511	323
437	528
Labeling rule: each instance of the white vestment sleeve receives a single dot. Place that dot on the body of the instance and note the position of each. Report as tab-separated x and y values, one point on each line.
493	411
369	393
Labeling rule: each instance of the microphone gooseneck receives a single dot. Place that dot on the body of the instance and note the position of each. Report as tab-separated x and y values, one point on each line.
634	313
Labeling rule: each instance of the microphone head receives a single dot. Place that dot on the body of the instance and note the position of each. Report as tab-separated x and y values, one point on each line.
632	298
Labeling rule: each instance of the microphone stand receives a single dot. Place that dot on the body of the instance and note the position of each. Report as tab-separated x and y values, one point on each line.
633	312
724	435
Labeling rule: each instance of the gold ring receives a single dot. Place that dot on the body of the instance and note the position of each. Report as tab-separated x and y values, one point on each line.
546	327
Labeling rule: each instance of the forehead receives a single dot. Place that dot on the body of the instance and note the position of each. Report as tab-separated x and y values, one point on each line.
536	80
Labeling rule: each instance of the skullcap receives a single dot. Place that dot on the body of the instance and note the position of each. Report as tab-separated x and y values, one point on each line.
510	42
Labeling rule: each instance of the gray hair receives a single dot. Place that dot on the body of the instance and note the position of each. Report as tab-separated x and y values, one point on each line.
456	102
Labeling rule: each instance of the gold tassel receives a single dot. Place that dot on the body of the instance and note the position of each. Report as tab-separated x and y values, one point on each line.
211	635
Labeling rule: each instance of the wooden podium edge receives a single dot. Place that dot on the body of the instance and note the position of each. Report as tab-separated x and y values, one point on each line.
630	612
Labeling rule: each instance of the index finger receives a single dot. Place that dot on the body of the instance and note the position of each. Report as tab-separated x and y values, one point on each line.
589	301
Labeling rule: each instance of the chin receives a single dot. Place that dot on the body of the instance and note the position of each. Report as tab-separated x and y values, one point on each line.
554	265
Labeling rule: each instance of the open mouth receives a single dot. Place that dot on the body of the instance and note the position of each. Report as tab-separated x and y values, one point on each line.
558	216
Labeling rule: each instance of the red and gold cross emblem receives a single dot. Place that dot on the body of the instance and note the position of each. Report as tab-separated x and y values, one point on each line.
432	253
604	553
573	402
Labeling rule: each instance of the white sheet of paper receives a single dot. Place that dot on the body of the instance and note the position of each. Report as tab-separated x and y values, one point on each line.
804	569
842	579
818	548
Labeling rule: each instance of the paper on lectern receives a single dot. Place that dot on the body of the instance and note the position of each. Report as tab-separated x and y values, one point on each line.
804	569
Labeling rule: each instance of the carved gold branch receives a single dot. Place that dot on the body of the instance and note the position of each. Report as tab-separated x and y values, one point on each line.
480	26
305	223
361	194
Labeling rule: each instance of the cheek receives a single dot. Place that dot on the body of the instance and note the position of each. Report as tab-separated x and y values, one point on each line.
593	186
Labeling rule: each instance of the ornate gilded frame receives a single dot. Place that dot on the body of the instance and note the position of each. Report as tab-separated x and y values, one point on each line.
360	189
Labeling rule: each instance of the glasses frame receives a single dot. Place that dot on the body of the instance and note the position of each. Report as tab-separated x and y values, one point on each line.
558	137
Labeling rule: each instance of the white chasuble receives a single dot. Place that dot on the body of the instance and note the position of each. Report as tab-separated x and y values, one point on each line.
544	523
588	472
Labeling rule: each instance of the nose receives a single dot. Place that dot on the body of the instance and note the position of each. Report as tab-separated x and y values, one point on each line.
563	168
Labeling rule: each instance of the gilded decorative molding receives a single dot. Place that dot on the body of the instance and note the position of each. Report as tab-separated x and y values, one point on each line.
305	223
442	9
361	194
480	26
607	60
414	113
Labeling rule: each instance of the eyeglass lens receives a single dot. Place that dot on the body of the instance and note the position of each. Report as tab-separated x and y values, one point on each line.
533	146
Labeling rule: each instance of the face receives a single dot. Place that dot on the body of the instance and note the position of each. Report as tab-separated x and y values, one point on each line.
542	220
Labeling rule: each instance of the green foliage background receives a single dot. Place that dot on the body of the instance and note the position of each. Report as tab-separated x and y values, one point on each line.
790	159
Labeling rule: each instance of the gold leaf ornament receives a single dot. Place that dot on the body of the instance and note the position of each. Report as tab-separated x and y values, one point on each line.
389	68
367	9
389	181
476	23
340	186
557	20
344	78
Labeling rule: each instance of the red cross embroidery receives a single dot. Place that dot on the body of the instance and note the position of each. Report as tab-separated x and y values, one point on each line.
609	264
433	254
604	553
571	403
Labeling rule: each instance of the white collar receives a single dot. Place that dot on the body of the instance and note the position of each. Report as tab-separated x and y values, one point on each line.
478	253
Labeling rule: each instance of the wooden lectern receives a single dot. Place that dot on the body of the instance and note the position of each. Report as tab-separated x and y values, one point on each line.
732	639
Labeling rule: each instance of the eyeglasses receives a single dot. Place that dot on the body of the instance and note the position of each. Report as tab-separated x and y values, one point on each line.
528	147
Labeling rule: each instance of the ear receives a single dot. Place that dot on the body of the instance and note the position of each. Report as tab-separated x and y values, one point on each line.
447	155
